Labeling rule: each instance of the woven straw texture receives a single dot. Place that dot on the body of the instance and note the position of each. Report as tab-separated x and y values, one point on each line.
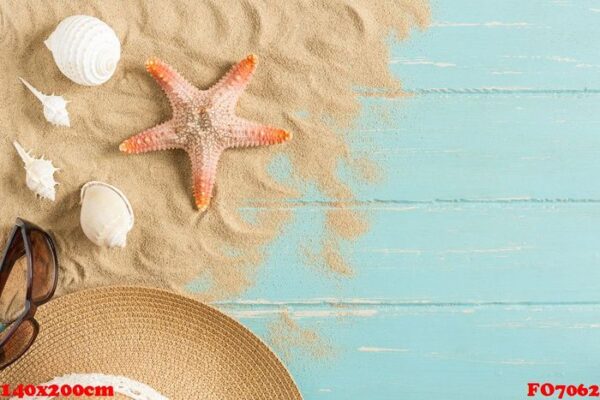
178	346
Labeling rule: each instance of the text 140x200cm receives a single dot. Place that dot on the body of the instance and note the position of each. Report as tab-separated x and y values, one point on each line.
29	390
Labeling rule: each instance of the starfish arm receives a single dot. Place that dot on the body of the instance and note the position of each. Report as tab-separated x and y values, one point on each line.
228	90
245	133
161	137
204	173
174	85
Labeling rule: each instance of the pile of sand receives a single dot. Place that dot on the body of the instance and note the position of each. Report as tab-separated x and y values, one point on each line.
293	342
312	57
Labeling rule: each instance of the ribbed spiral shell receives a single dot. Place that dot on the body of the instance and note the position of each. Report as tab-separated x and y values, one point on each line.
85	49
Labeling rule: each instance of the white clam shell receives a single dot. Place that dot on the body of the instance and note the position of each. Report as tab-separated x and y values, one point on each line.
106	214
85	49
39	174
55	107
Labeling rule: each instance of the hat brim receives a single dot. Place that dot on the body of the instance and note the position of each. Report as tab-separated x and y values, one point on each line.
178	346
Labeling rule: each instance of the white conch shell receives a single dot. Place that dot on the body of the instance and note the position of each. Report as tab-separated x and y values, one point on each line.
106	214
55	107
40	174
85	49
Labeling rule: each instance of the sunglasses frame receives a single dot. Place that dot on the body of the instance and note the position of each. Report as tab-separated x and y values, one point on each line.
31	305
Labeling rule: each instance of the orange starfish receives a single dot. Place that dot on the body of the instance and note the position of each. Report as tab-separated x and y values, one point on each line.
204	123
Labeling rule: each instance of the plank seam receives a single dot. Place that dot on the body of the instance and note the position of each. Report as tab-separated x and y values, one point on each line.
500	91
390	202
400	304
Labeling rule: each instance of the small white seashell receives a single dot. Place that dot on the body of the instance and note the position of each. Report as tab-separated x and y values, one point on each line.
85	49
40	174
106	214
55	107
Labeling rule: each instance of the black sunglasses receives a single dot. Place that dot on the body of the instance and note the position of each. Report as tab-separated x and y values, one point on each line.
29	262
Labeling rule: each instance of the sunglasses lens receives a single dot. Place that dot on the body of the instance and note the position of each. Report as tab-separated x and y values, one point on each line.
44	266
18	343
14	294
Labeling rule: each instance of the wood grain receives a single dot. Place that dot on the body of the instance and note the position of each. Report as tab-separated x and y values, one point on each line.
480	270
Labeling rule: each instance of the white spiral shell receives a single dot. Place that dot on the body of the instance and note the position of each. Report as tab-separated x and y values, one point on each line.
85	49
106	214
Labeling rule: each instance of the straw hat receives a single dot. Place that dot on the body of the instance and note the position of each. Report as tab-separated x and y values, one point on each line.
176	345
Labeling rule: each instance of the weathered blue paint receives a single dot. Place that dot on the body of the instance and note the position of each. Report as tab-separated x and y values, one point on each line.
480	270
446	352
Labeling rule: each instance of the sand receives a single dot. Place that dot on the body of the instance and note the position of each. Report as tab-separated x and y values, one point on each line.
313	55
292	342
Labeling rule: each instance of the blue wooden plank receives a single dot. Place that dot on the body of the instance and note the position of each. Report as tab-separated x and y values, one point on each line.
477	146
446	252
449	352
538	44
484	147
